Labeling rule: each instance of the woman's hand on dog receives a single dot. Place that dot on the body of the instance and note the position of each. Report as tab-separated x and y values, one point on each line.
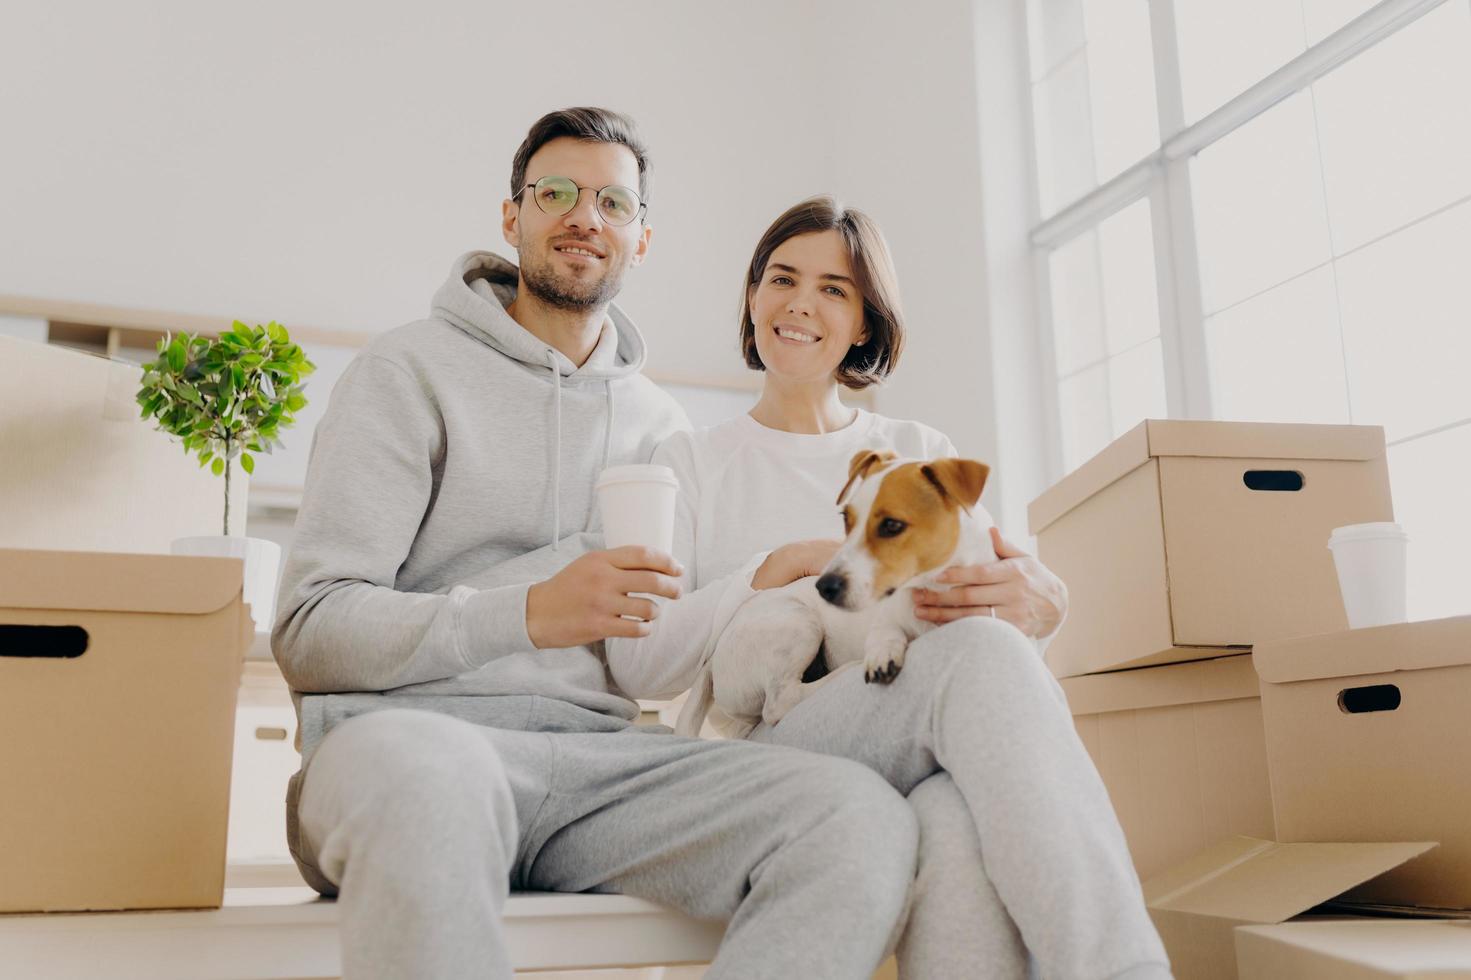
1021	589
793	561
587	600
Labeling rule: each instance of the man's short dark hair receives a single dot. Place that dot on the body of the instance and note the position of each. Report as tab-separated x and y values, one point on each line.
589	124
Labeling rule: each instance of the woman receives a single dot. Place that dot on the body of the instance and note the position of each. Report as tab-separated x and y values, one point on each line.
1019	847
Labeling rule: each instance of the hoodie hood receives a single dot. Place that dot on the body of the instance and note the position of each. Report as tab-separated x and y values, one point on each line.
475	296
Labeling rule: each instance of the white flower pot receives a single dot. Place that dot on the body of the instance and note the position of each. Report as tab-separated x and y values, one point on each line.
262	561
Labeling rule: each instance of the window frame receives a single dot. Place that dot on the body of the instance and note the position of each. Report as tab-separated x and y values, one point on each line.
1163	176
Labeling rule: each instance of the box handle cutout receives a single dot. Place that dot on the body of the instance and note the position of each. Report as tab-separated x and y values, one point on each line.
1376	697
265	734
54	642
1281	480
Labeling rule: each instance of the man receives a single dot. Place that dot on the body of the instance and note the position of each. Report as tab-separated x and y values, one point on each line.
442	638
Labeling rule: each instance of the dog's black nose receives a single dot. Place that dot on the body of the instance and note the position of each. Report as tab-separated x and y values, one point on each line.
831	587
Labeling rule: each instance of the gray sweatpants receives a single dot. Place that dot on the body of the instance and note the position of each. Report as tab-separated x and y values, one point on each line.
1019	846
422	823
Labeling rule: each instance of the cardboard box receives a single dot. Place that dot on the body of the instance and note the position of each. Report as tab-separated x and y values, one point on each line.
1182	752
1336	948
1367	740
84	472
1182	538
1197	904
118	679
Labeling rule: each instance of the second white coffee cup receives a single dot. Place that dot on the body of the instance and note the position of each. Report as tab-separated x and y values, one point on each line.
637	506
1371	560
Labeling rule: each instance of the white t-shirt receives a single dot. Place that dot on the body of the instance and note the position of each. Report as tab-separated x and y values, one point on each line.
745	489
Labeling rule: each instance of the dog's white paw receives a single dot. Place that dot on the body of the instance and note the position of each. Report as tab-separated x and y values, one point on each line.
884	660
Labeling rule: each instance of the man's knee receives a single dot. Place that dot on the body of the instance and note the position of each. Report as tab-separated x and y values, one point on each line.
400	753
409	794
866	815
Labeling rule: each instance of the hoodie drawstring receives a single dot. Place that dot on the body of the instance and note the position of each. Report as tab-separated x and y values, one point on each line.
608	429
607	447
556	447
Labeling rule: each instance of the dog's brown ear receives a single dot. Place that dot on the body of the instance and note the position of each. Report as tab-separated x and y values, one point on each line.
858	467
960	479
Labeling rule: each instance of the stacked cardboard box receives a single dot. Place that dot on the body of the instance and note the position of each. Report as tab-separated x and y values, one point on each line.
1367	741
1186	546
1183	544
1181	750
1192	540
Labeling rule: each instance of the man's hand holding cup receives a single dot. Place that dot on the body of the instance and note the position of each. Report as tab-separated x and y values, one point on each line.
612	593
591	598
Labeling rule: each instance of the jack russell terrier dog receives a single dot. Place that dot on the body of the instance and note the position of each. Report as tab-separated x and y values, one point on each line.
907	521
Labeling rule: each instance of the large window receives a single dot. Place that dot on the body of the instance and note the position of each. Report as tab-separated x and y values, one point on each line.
1261	210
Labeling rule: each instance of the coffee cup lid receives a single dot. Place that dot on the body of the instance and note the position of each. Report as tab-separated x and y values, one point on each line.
1364	532
638	473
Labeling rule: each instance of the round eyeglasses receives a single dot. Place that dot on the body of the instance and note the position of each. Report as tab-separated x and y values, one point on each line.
618	205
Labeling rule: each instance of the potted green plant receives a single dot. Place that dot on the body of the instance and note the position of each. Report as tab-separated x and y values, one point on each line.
225	398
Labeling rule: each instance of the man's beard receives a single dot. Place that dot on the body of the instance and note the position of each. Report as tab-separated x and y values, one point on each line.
565	292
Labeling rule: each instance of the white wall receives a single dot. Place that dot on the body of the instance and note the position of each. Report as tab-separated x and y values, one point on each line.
905	151
322	163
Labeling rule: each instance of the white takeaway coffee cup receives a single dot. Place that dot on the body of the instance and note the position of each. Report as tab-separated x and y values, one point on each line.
1370	559
637	505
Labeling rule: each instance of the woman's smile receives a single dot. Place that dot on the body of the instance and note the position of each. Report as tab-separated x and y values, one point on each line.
794	335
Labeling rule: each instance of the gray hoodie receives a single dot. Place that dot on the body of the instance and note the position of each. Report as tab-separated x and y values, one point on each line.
454	467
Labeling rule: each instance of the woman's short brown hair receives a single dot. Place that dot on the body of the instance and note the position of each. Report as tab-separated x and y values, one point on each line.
873	271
